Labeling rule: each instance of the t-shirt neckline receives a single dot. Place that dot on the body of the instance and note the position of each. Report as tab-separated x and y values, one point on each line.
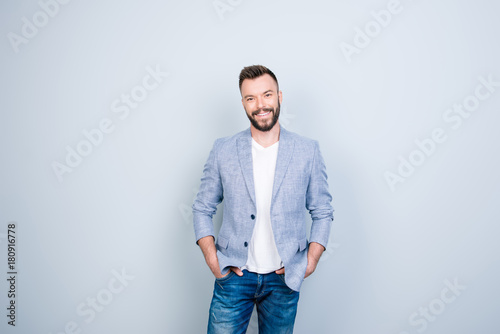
260	147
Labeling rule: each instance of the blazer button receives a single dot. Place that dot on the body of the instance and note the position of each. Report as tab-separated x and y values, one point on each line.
245	244
252	216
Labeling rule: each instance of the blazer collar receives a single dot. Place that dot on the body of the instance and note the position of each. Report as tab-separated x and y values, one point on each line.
285	150
244	147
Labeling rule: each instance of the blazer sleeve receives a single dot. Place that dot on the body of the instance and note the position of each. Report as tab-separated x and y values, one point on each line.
318	200
208	197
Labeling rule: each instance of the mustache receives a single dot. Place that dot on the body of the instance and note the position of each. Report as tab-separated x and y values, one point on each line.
258	111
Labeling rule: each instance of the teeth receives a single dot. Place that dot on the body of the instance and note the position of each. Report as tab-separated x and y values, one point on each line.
264	113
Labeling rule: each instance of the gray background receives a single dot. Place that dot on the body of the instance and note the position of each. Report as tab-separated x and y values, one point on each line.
126	206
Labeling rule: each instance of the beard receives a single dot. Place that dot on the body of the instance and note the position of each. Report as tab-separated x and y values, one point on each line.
262	125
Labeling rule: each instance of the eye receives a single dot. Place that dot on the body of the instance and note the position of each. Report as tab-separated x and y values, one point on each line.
249	99
268	95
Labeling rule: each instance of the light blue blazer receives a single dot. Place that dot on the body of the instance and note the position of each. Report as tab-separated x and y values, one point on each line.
300	183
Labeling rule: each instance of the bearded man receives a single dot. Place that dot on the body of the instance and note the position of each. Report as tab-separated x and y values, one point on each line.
269	178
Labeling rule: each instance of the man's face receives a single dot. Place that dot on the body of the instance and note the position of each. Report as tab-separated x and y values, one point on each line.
261	101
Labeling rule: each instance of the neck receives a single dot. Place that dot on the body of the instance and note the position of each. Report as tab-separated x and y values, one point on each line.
266	139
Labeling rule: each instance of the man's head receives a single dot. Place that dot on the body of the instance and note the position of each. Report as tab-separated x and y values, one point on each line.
260	96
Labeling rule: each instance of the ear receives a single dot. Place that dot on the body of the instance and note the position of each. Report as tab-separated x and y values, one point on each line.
280	96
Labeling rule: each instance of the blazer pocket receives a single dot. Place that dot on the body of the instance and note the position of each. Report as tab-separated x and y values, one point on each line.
302	244
222	244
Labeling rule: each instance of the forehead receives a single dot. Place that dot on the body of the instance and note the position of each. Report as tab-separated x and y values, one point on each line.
258	85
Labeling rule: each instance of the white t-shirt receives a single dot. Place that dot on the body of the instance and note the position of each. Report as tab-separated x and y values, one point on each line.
263	255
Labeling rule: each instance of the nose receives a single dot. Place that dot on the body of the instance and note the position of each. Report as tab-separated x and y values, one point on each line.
260	103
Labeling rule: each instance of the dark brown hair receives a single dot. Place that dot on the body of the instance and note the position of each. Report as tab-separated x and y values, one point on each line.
255	71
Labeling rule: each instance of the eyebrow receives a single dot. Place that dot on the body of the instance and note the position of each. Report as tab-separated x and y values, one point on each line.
267	91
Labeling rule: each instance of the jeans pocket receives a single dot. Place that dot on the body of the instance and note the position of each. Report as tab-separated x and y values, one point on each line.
282	279
225	278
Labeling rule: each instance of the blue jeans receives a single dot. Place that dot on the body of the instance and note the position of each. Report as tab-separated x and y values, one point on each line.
234	298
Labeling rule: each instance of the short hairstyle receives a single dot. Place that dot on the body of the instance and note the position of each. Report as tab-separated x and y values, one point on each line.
255	71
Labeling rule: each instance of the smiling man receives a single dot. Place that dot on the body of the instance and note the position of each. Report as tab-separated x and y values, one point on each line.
269	178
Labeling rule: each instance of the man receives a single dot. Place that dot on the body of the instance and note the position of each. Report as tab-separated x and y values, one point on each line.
267	177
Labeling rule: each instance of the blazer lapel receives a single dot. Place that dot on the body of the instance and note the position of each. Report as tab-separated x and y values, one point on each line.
285	151
246	162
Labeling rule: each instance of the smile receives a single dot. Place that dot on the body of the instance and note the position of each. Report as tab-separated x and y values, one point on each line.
264	114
